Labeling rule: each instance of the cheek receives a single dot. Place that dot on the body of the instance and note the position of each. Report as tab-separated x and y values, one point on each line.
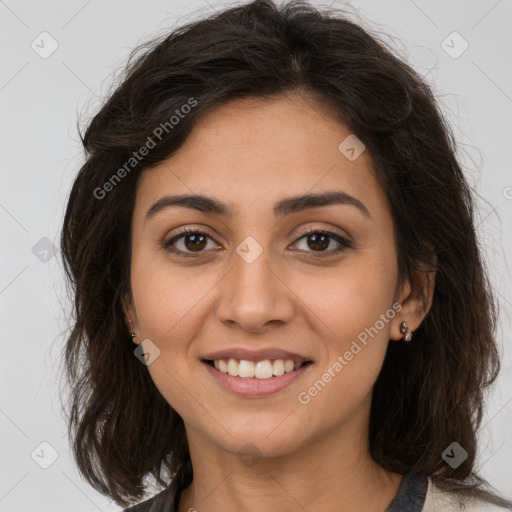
346	300
350	309
165	293
353	323
171	304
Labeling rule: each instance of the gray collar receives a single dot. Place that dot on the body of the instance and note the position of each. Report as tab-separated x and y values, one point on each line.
411	494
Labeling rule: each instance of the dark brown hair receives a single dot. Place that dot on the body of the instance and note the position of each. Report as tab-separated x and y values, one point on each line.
430	392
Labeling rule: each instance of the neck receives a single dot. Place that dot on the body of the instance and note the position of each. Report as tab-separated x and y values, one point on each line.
316	477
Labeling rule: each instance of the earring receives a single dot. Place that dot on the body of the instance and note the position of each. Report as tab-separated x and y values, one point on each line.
405	331
132	334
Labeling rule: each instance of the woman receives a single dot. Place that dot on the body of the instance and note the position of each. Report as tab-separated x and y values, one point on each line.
272	211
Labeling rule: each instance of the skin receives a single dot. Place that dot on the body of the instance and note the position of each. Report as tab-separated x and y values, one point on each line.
250	154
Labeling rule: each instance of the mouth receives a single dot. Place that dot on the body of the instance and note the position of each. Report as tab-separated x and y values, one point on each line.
263	369
256	378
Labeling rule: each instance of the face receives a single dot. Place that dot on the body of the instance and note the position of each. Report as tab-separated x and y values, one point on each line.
254	285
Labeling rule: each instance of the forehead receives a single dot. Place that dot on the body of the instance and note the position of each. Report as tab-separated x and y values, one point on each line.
252	152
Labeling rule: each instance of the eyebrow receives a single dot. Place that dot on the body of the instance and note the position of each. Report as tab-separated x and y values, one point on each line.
284	207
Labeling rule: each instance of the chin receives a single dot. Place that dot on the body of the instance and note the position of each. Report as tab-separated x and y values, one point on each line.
257	447
259	438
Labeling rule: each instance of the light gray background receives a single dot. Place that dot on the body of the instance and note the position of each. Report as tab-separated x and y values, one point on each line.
40	154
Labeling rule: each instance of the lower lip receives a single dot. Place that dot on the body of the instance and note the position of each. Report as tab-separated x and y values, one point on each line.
252	386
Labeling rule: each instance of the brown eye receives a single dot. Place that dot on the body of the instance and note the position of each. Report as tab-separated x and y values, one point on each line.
193	241
319	240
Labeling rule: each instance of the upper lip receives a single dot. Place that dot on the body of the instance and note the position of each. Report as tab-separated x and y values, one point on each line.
255	355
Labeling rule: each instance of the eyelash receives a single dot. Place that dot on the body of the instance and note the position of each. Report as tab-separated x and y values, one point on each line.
345	243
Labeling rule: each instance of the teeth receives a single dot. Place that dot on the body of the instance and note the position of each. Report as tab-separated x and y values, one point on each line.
289	366
278	367
260	370
233	367
223	366
246	369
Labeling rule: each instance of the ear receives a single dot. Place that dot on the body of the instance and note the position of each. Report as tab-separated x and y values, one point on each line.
130	316
415	297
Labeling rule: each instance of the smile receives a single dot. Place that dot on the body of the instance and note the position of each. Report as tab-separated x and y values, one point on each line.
255	378
265	369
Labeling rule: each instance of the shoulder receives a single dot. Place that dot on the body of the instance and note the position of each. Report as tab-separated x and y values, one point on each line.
437	500
164	501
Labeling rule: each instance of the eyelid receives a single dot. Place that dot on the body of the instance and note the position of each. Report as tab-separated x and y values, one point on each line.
316	229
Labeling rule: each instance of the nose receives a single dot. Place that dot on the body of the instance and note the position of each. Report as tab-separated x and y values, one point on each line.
253	296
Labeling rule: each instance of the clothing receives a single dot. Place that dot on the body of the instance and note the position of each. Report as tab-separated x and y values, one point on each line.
416	493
